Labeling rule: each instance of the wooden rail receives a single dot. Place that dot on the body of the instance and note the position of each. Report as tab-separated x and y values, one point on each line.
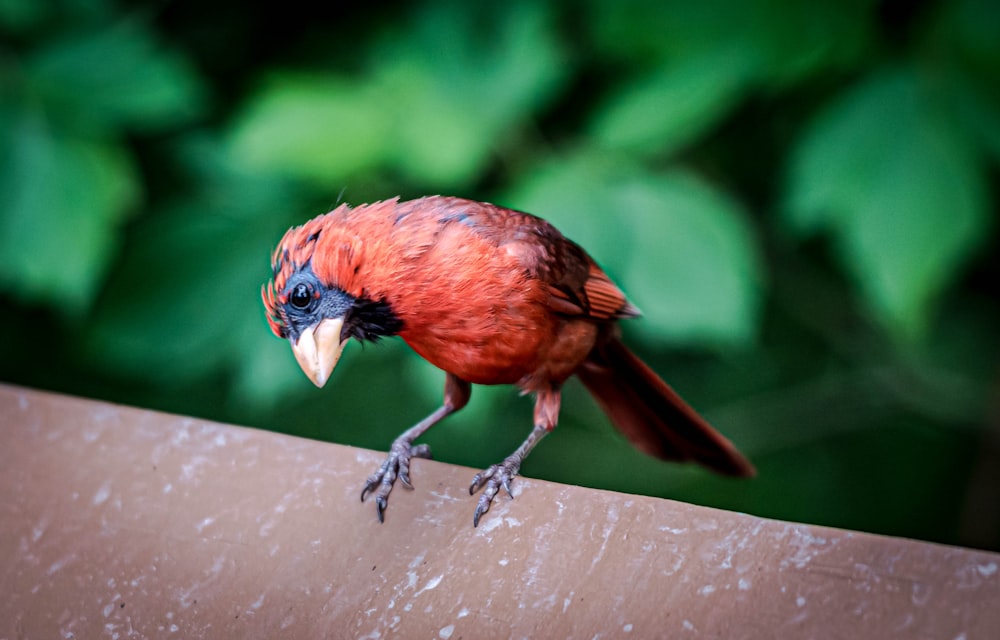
120	522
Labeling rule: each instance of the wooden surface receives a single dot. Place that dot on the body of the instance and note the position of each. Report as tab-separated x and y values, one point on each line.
119	523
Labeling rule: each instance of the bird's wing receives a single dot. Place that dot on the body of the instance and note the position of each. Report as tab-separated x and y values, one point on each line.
576	285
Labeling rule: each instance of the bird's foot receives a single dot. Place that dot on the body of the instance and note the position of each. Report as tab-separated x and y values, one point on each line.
396	465
491	480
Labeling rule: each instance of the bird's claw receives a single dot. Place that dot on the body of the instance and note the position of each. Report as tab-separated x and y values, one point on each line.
396	465
491	480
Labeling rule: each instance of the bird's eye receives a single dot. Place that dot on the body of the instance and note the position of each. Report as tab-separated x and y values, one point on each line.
301	296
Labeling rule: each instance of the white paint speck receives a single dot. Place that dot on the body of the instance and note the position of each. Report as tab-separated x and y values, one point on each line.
502	562
431	584
265	529
446	632
174	628
800	602
181	435
744	584
674	530
102	493
986	570
464	612
489	524
167	488
627	628
687	625
204	523
707	590
60	563
706	525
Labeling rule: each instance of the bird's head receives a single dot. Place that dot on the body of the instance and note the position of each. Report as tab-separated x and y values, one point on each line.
310	306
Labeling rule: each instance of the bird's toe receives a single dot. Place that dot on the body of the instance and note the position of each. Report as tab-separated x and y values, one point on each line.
491	480
396	465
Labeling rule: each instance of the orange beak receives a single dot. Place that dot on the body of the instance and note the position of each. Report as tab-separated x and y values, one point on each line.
319	348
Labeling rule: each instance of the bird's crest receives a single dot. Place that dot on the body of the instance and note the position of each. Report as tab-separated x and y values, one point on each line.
294	251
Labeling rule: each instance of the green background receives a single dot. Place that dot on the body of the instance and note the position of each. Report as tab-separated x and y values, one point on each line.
801	197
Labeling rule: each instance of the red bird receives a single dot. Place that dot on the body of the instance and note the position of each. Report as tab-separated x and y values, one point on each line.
490	296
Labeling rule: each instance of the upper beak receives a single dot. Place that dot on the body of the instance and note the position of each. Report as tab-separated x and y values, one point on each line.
318	349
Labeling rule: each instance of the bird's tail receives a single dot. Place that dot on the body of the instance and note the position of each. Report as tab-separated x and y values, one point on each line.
651	414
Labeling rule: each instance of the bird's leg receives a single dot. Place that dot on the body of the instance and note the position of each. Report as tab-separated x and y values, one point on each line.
397	463
500	475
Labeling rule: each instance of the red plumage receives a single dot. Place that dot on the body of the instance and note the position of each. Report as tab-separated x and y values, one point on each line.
490	296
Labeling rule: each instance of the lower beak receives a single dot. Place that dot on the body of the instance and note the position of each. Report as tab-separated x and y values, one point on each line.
318	349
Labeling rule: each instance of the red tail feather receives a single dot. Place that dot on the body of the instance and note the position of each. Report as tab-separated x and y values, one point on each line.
651	414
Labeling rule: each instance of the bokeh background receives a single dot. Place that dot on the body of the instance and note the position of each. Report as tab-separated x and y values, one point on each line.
801	197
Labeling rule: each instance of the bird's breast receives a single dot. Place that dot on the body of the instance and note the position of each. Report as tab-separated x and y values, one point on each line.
490	333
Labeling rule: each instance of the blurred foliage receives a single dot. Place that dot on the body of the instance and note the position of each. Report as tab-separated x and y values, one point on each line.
801	198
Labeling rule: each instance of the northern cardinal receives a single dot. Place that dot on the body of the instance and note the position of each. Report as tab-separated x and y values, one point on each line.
491	296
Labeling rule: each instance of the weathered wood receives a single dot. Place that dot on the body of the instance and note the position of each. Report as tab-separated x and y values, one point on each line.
120	522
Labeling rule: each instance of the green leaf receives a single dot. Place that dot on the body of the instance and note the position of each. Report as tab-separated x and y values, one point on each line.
114	76
697	272
319	128
672	106
438	100
61	201
900	189
768	40
684	250
798	40
973	29
967	33
462	80
18	15
698	66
